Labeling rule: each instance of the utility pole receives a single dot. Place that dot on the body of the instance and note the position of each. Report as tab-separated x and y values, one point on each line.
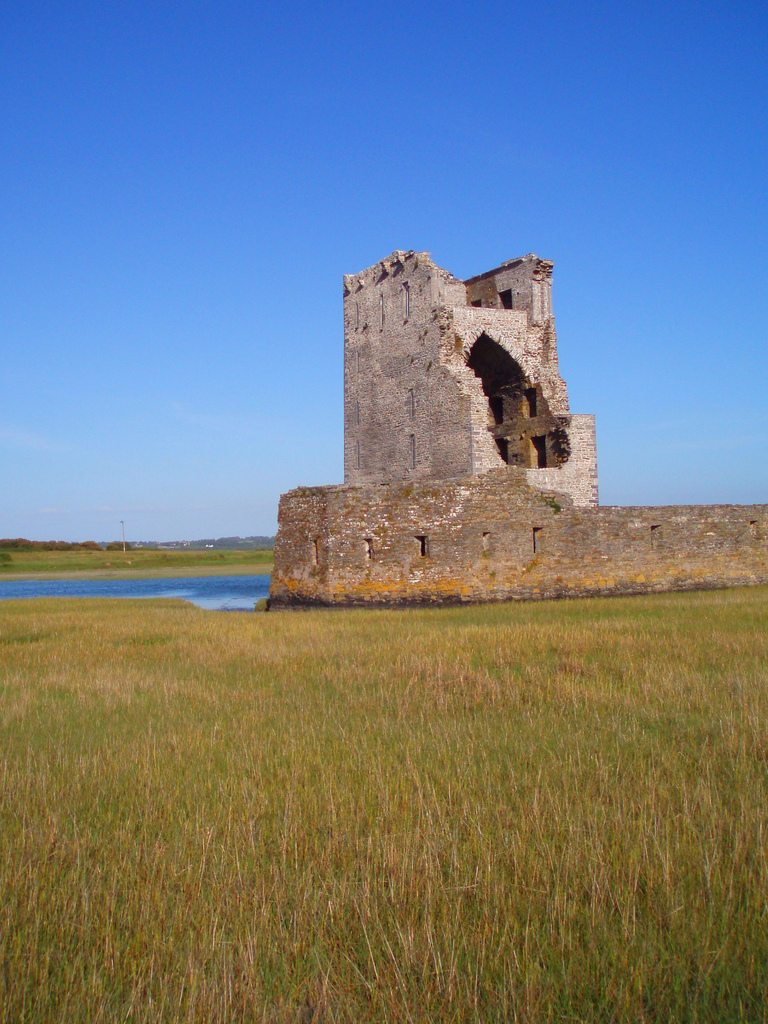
123	526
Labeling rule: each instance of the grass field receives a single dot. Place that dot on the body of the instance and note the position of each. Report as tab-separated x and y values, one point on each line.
130	564
550	812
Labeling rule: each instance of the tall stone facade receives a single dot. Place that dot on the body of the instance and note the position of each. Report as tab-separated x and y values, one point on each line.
446	378
467	478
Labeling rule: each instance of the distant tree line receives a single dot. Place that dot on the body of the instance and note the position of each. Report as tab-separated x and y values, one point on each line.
236	543
222	543
21	544
218	543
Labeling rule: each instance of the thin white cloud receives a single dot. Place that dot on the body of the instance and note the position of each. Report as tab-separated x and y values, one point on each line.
126	511
105	510
27	440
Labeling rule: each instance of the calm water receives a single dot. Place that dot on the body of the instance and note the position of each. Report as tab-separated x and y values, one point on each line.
226	593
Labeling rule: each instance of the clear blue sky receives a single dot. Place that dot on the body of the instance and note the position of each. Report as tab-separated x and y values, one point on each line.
182	186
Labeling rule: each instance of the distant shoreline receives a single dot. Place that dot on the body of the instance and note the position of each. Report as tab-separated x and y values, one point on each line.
165	572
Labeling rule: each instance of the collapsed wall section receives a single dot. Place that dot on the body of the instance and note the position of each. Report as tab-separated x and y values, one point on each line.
494	538
578	477
507	372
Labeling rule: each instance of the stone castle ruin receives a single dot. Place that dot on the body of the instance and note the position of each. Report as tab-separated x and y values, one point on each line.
467	477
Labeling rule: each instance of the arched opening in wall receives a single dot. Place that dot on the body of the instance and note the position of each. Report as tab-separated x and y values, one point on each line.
500	374
503	382
524	429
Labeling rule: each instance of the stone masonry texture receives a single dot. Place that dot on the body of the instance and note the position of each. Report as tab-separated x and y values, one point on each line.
494	538
446	378
467	478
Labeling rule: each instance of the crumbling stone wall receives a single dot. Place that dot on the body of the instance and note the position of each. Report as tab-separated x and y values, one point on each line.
578	477
445	378
467	478
493	537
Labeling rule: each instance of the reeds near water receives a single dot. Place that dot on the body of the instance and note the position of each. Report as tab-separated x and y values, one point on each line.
551	812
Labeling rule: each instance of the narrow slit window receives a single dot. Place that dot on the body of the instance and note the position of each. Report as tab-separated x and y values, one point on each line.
381	308
316	551
537	539
412	450
423	545
357	454
357	315
507	299
357	361
539	451
357	413
411	405
486	540
406	300
530	401
655	534
368	542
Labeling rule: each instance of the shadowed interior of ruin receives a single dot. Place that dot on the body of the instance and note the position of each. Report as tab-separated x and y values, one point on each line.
525	431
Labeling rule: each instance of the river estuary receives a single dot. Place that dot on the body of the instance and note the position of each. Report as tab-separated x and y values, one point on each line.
220	593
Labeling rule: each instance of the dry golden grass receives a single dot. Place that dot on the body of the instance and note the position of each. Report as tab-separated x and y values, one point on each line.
512	813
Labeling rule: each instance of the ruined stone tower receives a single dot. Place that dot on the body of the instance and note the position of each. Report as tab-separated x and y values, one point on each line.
467	477
446	378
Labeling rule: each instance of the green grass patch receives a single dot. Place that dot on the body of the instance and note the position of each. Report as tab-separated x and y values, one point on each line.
130	563
541	812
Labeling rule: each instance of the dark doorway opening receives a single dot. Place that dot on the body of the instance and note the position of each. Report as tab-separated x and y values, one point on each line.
503	383
499	373
530	399
507	299
540	451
